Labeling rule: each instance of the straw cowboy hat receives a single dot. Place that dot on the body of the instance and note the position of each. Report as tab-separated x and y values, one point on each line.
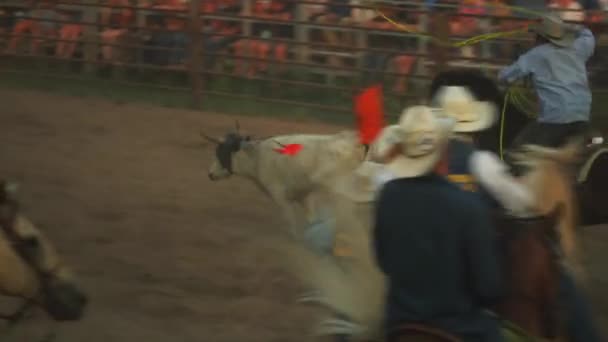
423	135
382	146
470	115
553	28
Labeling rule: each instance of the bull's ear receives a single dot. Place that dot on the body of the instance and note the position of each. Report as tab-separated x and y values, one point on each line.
247	145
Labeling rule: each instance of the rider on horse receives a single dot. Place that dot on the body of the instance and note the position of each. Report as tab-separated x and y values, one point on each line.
557	67
467	163
472	168
427	256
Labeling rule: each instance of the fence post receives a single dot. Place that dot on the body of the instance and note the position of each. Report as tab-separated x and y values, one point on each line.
302	33
441	23
90	35
195	60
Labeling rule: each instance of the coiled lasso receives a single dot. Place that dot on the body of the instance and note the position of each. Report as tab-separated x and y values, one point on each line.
516	95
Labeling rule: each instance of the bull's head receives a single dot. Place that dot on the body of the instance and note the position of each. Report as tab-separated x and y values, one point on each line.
225	151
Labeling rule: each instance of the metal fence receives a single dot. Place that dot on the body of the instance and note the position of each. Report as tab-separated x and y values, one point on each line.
291	55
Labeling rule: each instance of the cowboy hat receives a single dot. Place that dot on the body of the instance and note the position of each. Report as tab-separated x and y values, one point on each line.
382	146
470	115
423	135
553	28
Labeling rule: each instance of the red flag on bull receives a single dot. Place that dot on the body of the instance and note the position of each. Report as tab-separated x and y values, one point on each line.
370	113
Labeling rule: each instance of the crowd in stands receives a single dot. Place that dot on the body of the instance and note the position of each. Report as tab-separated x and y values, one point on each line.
55	27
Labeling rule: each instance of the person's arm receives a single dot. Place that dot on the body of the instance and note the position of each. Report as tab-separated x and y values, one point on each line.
482	253
379	233
519	69
493	174
585	42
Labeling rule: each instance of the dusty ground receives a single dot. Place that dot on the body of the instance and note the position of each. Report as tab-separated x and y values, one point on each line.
165	254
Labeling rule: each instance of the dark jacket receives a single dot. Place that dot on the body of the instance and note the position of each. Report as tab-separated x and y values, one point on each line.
436	244
459	171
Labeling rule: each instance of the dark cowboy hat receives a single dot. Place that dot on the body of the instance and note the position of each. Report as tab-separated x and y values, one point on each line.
555	30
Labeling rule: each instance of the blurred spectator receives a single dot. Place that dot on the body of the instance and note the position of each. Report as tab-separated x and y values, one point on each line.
40	22
538	6
4	23
604	4
69	33
468	25
219	34
589	5
361	15
260	49
501	10
173	38
396	46
569	10
115	23
335	12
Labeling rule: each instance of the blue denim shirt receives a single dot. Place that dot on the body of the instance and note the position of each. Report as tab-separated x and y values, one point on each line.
560	78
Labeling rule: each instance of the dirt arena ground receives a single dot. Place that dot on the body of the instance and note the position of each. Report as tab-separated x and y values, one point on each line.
165	254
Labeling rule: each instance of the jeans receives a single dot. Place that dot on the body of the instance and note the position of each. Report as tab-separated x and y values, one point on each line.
179	42
377	63
579	322
169	40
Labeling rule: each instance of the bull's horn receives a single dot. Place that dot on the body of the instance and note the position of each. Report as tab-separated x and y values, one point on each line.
213	140
278	143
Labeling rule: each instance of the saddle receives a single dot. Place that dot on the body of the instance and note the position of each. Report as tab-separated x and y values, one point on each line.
421	333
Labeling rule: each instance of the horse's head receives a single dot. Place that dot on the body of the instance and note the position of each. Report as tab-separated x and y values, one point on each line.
225	151
31	267
484	89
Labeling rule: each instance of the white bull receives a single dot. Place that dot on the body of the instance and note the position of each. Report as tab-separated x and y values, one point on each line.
352	286
291	181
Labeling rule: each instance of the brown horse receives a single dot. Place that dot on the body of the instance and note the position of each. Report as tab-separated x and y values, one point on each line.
30	268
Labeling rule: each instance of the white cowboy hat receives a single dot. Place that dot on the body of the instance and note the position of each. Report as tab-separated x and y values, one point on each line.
424	134
381	147
471	115
553	28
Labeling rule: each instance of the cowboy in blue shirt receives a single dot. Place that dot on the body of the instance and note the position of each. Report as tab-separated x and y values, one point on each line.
557	67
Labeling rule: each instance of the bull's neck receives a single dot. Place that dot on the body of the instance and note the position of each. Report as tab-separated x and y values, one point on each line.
245	164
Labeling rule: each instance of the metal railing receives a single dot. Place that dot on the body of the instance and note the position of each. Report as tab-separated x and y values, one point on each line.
306	72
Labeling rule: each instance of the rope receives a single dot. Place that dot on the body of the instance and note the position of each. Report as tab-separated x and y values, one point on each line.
515	95
462	43
502	124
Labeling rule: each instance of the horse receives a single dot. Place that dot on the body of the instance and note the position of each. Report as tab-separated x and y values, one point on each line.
592	185
30	267
350	285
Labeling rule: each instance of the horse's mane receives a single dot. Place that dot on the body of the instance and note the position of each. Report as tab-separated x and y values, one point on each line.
549	175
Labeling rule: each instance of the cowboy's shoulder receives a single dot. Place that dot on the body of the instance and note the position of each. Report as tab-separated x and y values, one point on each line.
539	50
